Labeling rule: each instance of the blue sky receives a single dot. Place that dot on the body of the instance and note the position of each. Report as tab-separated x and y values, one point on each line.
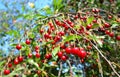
38	4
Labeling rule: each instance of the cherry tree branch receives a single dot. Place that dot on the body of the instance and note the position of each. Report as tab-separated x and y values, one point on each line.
110	64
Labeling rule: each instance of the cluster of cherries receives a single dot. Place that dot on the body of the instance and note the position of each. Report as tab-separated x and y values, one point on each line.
21	58
56	36
80	52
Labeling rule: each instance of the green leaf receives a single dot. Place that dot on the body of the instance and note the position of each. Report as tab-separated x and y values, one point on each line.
35	75
31	61
114	25
57	5
55	50
71	37
90	19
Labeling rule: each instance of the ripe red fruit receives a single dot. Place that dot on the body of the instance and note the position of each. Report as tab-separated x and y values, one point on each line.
6	72
82	54
18	46
47	36
64	58
20	58
89	47
95	10
62	33
88	26
107	32
30	55
38	72
118	37
57	22
10	65
27	41
68	50
16	61
60	54
76	16
107	25
94	21
50	24
110	17
111	34
58	37
101	29
36	47
41	31
75	50
81	49
37	55
48	56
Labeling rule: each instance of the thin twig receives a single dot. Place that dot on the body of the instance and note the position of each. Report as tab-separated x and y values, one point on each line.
59	73
99	65
71	72
106	60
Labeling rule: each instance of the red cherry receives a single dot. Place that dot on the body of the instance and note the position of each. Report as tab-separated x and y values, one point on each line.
50	24
68	21
36	47
49	31
18	46
88	26
58	38
57	22
81	49
30	55
37	50
50	55
41	31
89	47
101	29
38	72
60	54
68	50
42	61
82	54
47	56
75	50
27	41
76	16
47	36
64	58
10	65
107	25
62	33
118	37
94	21
37	55
110	17
111	34
107	32
40	40
82	60
20	58
16	61
6	72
